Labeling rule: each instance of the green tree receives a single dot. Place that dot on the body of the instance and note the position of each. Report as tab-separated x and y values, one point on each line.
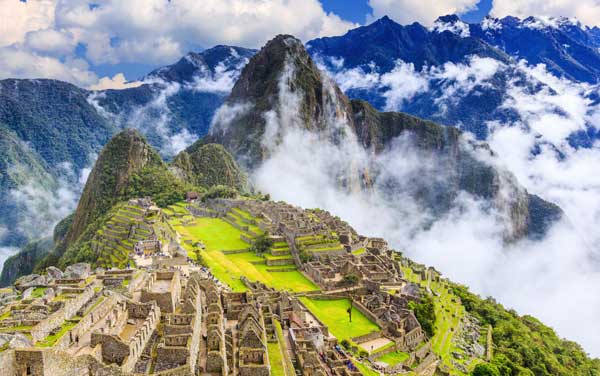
261	244
425	313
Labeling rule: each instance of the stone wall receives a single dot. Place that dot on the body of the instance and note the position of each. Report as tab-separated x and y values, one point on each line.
8	362
86	322
365	311
55	320
367	337
138	341
165	300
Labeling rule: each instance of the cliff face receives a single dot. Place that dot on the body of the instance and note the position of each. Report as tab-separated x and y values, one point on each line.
125	155
281	82
24	262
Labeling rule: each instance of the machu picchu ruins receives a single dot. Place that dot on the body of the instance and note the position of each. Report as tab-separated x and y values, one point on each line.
223	287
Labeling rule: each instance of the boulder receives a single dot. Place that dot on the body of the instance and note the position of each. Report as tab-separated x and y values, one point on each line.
77	271
20	340
27	293
31	280
54	272
14	341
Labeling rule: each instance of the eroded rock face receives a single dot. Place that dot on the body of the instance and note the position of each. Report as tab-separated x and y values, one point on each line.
281	90
77	271
31	280
15	341
54	272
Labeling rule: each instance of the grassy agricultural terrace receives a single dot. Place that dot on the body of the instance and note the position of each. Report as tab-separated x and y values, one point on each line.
220	247
334	314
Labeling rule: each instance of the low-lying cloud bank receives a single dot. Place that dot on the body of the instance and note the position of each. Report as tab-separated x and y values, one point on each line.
550	279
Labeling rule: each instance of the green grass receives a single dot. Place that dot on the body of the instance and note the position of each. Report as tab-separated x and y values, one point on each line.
5	315
287	362
333	313
365	370
96	303
218	235
229	269
394	358
38	292
51	339
275	359
359	251
215	233
449	313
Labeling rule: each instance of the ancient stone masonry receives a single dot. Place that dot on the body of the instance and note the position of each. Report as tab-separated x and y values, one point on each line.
164	287
177	319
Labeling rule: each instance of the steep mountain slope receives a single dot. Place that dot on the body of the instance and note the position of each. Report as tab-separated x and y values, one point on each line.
215	62
128	167
21	169
126	155
472	76
51	131
281	92
565	46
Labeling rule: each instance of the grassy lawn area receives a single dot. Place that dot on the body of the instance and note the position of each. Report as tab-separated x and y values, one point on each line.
333	313
275	359
216	234
359	251
229	269
394	358
51	339
365	370
38	292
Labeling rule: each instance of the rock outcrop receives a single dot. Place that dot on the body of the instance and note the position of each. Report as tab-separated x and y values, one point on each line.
281	81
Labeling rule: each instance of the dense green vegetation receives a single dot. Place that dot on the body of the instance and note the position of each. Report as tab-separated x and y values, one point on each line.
159	184
209	165
261	244
523	345
425	313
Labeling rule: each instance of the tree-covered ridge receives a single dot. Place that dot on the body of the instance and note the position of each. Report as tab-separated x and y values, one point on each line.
208	165
522	345
128	167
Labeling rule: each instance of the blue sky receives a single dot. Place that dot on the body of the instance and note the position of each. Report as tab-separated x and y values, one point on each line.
100	44
355	11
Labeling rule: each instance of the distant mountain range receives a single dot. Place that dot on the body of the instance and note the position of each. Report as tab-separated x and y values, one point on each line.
411	68
53	130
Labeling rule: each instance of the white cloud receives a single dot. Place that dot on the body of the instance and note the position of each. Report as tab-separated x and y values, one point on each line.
586	11
18	63
19	18
459	28
157	31
41	35
423	11
545	278
403	82
50	41
117	82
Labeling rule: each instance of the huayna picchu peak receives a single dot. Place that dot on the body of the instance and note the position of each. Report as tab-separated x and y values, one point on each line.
324	192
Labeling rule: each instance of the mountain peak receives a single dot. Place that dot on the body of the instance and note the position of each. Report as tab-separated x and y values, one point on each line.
124	155
195	64
449	18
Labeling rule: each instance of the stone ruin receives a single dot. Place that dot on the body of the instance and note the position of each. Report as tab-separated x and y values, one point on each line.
161	321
